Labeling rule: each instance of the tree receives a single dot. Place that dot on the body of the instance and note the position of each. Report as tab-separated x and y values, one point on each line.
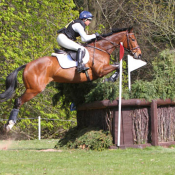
28	31
157	19
153	23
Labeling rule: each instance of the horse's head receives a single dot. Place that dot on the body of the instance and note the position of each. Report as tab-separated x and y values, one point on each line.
131	45
109	42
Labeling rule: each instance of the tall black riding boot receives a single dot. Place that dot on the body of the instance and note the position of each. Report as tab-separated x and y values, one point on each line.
81	67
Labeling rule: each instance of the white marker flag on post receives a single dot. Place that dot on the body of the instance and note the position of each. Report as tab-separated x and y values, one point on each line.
120	92
133	64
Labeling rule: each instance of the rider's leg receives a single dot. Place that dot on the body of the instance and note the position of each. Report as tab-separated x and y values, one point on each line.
65	42
81	67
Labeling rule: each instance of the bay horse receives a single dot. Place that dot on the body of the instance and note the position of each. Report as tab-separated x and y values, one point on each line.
38	73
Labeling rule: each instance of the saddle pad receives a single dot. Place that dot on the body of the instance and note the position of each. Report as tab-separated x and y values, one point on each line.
66	61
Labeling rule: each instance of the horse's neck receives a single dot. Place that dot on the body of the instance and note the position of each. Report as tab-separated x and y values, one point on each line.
111	42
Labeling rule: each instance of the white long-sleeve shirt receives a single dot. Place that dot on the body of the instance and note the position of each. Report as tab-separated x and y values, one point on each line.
77	27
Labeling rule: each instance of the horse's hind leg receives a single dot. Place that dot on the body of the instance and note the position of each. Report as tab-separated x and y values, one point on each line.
28	95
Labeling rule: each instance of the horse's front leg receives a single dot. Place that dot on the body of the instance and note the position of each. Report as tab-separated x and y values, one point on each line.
106	69
109	68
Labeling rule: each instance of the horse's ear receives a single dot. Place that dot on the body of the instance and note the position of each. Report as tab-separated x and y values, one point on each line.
130	29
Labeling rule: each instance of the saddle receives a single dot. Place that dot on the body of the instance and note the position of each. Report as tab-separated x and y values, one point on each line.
67	59
72	53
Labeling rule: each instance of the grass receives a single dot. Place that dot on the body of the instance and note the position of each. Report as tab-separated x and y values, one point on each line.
29	157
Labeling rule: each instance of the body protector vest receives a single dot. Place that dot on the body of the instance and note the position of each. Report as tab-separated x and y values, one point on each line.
70	33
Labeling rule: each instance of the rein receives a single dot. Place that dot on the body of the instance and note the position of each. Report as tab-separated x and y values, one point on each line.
100	49
114	45
97	49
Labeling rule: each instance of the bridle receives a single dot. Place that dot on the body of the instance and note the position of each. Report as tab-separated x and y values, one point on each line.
128	43
128	49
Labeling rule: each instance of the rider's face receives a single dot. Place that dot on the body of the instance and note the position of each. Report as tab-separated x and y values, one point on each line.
87	22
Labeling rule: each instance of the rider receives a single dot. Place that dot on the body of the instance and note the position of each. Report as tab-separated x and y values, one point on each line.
67	37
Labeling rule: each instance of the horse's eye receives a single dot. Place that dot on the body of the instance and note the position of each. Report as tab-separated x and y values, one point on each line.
133	39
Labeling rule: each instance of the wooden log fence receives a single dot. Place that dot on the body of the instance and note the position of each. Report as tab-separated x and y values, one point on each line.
143	123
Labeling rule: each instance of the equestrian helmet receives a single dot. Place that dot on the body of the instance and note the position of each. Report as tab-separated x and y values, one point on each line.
86	15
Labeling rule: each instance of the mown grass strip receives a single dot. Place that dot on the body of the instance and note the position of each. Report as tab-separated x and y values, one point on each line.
28	157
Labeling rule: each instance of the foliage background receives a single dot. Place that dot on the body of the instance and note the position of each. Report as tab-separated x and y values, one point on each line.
28	31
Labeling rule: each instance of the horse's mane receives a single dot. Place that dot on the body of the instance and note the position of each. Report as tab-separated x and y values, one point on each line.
115	31
112	32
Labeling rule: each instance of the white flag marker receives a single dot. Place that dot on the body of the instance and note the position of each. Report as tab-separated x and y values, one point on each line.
133	64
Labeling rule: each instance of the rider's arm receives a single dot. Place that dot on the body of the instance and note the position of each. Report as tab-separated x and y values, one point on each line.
77	27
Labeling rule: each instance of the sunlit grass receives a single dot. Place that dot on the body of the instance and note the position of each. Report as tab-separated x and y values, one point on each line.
28	157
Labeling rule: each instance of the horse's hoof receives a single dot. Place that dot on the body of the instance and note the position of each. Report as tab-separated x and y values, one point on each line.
9	126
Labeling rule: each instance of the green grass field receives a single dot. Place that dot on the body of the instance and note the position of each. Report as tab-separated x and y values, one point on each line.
38	157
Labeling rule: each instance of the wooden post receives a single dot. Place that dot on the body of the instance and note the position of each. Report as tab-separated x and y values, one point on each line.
154	123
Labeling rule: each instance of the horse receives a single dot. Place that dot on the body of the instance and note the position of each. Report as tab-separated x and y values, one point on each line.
38	73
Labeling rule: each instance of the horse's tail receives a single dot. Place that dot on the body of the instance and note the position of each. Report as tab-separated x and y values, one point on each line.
11	84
